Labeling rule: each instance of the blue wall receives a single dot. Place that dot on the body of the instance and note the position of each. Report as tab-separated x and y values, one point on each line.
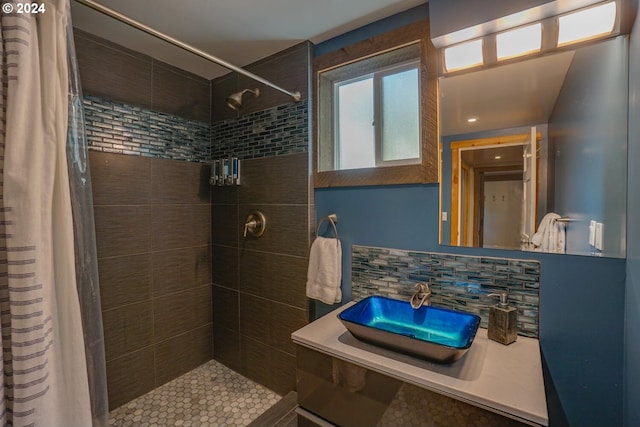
588	141
581	300
632	297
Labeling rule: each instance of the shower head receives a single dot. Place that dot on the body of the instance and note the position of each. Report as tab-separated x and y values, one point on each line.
235	101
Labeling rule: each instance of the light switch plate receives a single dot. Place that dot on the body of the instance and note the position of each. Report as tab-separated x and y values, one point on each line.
592	233
599	232
445	216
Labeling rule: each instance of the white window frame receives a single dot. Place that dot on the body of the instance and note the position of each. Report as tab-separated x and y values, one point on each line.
377	76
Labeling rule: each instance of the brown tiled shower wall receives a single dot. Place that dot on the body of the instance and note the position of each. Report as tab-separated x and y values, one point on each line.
152	226
110	71
160	240
259	284
152	230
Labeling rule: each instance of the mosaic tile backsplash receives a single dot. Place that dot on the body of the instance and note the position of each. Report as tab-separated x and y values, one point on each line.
458	282
115	127
273	132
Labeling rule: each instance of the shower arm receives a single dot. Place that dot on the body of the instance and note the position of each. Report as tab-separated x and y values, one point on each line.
142	27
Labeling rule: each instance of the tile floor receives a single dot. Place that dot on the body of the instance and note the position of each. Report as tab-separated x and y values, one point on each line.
210	395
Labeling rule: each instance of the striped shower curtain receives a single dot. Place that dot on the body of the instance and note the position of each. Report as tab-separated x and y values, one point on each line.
44	381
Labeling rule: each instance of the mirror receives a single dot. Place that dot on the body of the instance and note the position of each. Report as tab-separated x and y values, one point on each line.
534	151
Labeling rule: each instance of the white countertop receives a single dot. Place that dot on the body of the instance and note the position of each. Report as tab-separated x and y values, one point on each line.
503	379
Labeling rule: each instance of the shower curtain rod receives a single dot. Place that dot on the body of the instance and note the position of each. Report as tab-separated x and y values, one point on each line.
142	27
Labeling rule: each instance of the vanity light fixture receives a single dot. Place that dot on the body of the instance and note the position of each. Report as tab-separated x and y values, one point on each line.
472	119
586	24
521	41
546	34
463	55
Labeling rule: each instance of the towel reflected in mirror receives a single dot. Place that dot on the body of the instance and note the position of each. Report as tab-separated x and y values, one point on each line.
550	236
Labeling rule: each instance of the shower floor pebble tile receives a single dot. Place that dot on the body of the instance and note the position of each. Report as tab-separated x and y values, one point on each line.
210	395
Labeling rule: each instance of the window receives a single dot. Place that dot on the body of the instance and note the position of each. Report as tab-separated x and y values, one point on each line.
377	118
355	135
370	112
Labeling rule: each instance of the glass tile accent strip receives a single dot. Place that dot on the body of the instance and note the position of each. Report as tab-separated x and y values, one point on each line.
115	127
276	131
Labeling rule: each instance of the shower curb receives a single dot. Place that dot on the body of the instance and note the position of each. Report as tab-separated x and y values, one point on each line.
282	414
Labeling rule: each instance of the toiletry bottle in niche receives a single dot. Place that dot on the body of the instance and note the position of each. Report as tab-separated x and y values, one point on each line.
215	173
235	171
224	171
226	166
503	319
230	178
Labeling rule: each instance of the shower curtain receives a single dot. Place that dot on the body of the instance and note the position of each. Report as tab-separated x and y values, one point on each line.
85	240
46	377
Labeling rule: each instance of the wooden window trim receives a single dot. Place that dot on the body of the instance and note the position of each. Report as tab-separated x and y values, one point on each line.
427	170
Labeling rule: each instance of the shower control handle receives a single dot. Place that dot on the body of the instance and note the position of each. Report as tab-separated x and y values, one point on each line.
255	224
249	225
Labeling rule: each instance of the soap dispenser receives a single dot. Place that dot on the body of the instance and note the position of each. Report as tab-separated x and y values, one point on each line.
502	321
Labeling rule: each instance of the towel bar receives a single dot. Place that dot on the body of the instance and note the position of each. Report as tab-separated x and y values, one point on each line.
565	219
332	218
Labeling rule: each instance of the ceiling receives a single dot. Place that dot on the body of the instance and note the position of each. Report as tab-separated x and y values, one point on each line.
237	31
508	96
244	31
496	156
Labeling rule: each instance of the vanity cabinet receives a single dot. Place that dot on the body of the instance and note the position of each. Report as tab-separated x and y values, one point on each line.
348	395
344	382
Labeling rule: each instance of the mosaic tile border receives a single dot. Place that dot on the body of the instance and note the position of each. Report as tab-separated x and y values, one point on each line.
456	281
115	127
273	132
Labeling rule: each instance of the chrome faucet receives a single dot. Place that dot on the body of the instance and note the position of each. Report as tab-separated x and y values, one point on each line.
421	296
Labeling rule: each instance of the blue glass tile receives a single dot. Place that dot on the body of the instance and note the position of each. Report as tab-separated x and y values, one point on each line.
454	263
438	256
111	150
129	126
481	280
521	277
526	264
509	269
494	261
100	134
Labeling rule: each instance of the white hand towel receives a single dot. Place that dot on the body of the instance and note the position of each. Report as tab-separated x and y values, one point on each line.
325	270
550	236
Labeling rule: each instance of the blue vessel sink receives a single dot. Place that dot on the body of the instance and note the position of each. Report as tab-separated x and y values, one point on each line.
436	334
